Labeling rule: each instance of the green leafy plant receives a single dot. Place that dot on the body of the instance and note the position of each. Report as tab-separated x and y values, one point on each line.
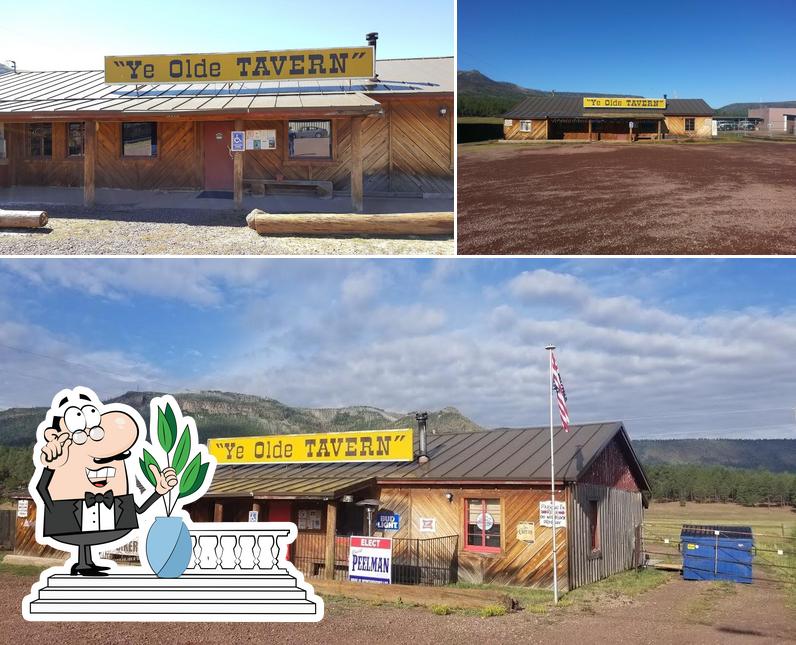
191	470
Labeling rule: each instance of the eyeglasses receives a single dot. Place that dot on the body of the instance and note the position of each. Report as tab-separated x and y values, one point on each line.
83	423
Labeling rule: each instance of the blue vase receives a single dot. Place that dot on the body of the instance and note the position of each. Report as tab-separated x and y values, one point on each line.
168	547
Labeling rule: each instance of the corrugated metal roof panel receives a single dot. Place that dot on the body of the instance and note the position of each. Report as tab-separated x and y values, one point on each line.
23	91
543	107
493	455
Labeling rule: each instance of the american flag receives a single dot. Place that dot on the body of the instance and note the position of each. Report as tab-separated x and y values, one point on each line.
561	393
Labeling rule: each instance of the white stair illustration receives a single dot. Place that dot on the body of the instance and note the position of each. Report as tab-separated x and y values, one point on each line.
238	573
133	596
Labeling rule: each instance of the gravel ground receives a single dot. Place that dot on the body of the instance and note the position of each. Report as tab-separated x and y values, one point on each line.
681	199
677	612
73	231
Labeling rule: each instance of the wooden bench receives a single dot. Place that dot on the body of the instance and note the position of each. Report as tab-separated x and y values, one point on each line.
325	189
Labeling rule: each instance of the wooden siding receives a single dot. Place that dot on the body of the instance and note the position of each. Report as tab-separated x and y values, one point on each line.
611	468
517	563
408	150
178	163
26	537
58	170
703	126
513	132
620	512
420	146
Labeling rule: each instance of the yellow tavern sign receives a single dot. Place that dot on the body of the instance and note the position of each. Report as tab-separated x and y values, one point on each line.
291	64
634	103
369	445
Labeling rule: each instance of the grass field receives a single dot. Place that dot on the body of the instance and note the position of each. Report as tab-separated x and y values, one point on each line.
774	531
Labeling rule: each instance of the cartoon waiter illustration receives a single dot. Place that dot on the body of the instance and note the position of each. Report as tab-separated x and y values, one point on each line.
81	485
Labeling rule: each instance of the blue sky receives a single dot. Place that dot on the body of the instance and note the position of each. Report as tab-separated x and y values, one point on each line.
676	348
724	52
77	34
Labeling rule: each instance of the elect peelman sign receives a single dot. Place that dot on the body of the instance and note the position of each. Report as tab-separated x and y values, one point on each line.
291	64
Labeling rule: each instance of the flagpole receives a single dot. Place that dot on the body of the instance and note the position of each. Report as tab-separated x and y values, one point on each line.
550	349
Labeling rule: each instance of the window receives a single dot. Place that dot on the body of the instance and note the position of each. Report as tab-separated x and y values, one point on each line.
309	139
40	139
594	525
525	126
690	125
482	525
2	141
139	139
75	135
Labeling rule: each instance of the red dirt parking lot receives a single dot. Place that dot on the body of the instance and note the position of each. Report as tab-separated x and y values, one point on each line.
608	198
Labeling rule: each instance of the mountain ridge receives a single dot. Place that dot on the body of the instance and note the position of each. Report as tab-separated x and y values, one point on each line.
226	414
480	95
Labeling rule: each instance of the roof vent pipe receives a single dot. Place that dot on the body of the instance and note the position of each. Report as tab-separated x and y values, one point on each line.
371	39
665	97
422	418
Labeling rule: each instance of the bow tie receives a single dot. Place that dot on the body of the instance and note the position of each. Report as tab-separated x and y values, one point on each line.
96	498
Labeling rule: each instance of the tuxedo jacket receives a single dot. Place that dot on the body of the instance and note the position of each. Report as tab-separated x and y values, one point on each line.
65	516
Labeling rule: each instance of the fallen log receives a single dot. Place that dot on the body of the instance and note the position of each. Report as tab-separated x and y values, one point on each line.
350	224
22	219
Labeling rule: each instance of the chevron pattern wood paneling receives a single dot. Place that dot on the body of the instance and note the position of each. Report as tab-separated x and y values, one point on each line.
421	147
178	164
518	563
513	132
409	150
59	170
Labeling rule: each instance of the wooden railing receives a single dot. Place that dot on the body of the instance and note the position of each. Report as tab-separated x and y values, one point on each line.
240	547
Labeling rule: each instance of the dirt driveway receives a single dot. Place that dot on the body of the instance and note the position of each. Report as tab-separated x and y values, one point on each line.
184	232
677	612
609	198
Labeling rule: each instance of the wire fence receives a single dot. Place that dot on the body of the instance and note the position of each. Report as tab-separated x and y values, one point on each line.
431	561
773	554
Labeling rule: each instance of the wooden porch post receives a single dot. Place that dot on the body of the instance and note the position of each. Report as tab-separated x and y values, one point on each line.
218	509
356	164
659	129
589	129
89	162
331	530
237	170
630	136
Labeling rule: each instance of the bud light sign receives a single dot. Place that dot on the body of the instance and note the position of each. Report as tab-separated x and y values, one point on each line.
370	559
388	521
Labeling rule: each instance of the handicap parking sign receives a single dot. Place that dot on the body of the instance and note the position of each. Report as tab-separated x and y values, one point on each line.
238	141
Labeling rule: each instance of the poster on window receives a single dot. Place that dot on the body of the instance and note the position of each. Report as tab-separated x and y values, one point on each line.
314	519
301	522
260	139
546	515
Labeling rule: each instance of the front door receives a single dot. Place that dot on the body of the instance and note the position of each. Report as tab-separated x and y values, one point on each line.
217	157
280	510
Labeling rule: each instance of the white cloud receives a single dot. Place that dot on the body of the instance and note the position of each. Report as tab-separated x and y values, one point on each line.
335	332
360	286
37	363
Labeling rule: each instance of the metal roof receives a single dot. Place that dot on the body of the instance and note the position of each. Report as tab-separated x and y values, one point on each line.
543	107
58	93
499	456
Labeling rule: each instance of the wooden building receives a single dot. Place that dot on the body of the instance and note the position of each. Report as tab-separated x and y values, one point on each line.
566	117
389	135
482	490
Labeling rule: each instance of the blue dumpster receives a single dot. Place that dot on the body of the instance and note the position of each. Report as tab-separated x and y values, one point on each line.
717	552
